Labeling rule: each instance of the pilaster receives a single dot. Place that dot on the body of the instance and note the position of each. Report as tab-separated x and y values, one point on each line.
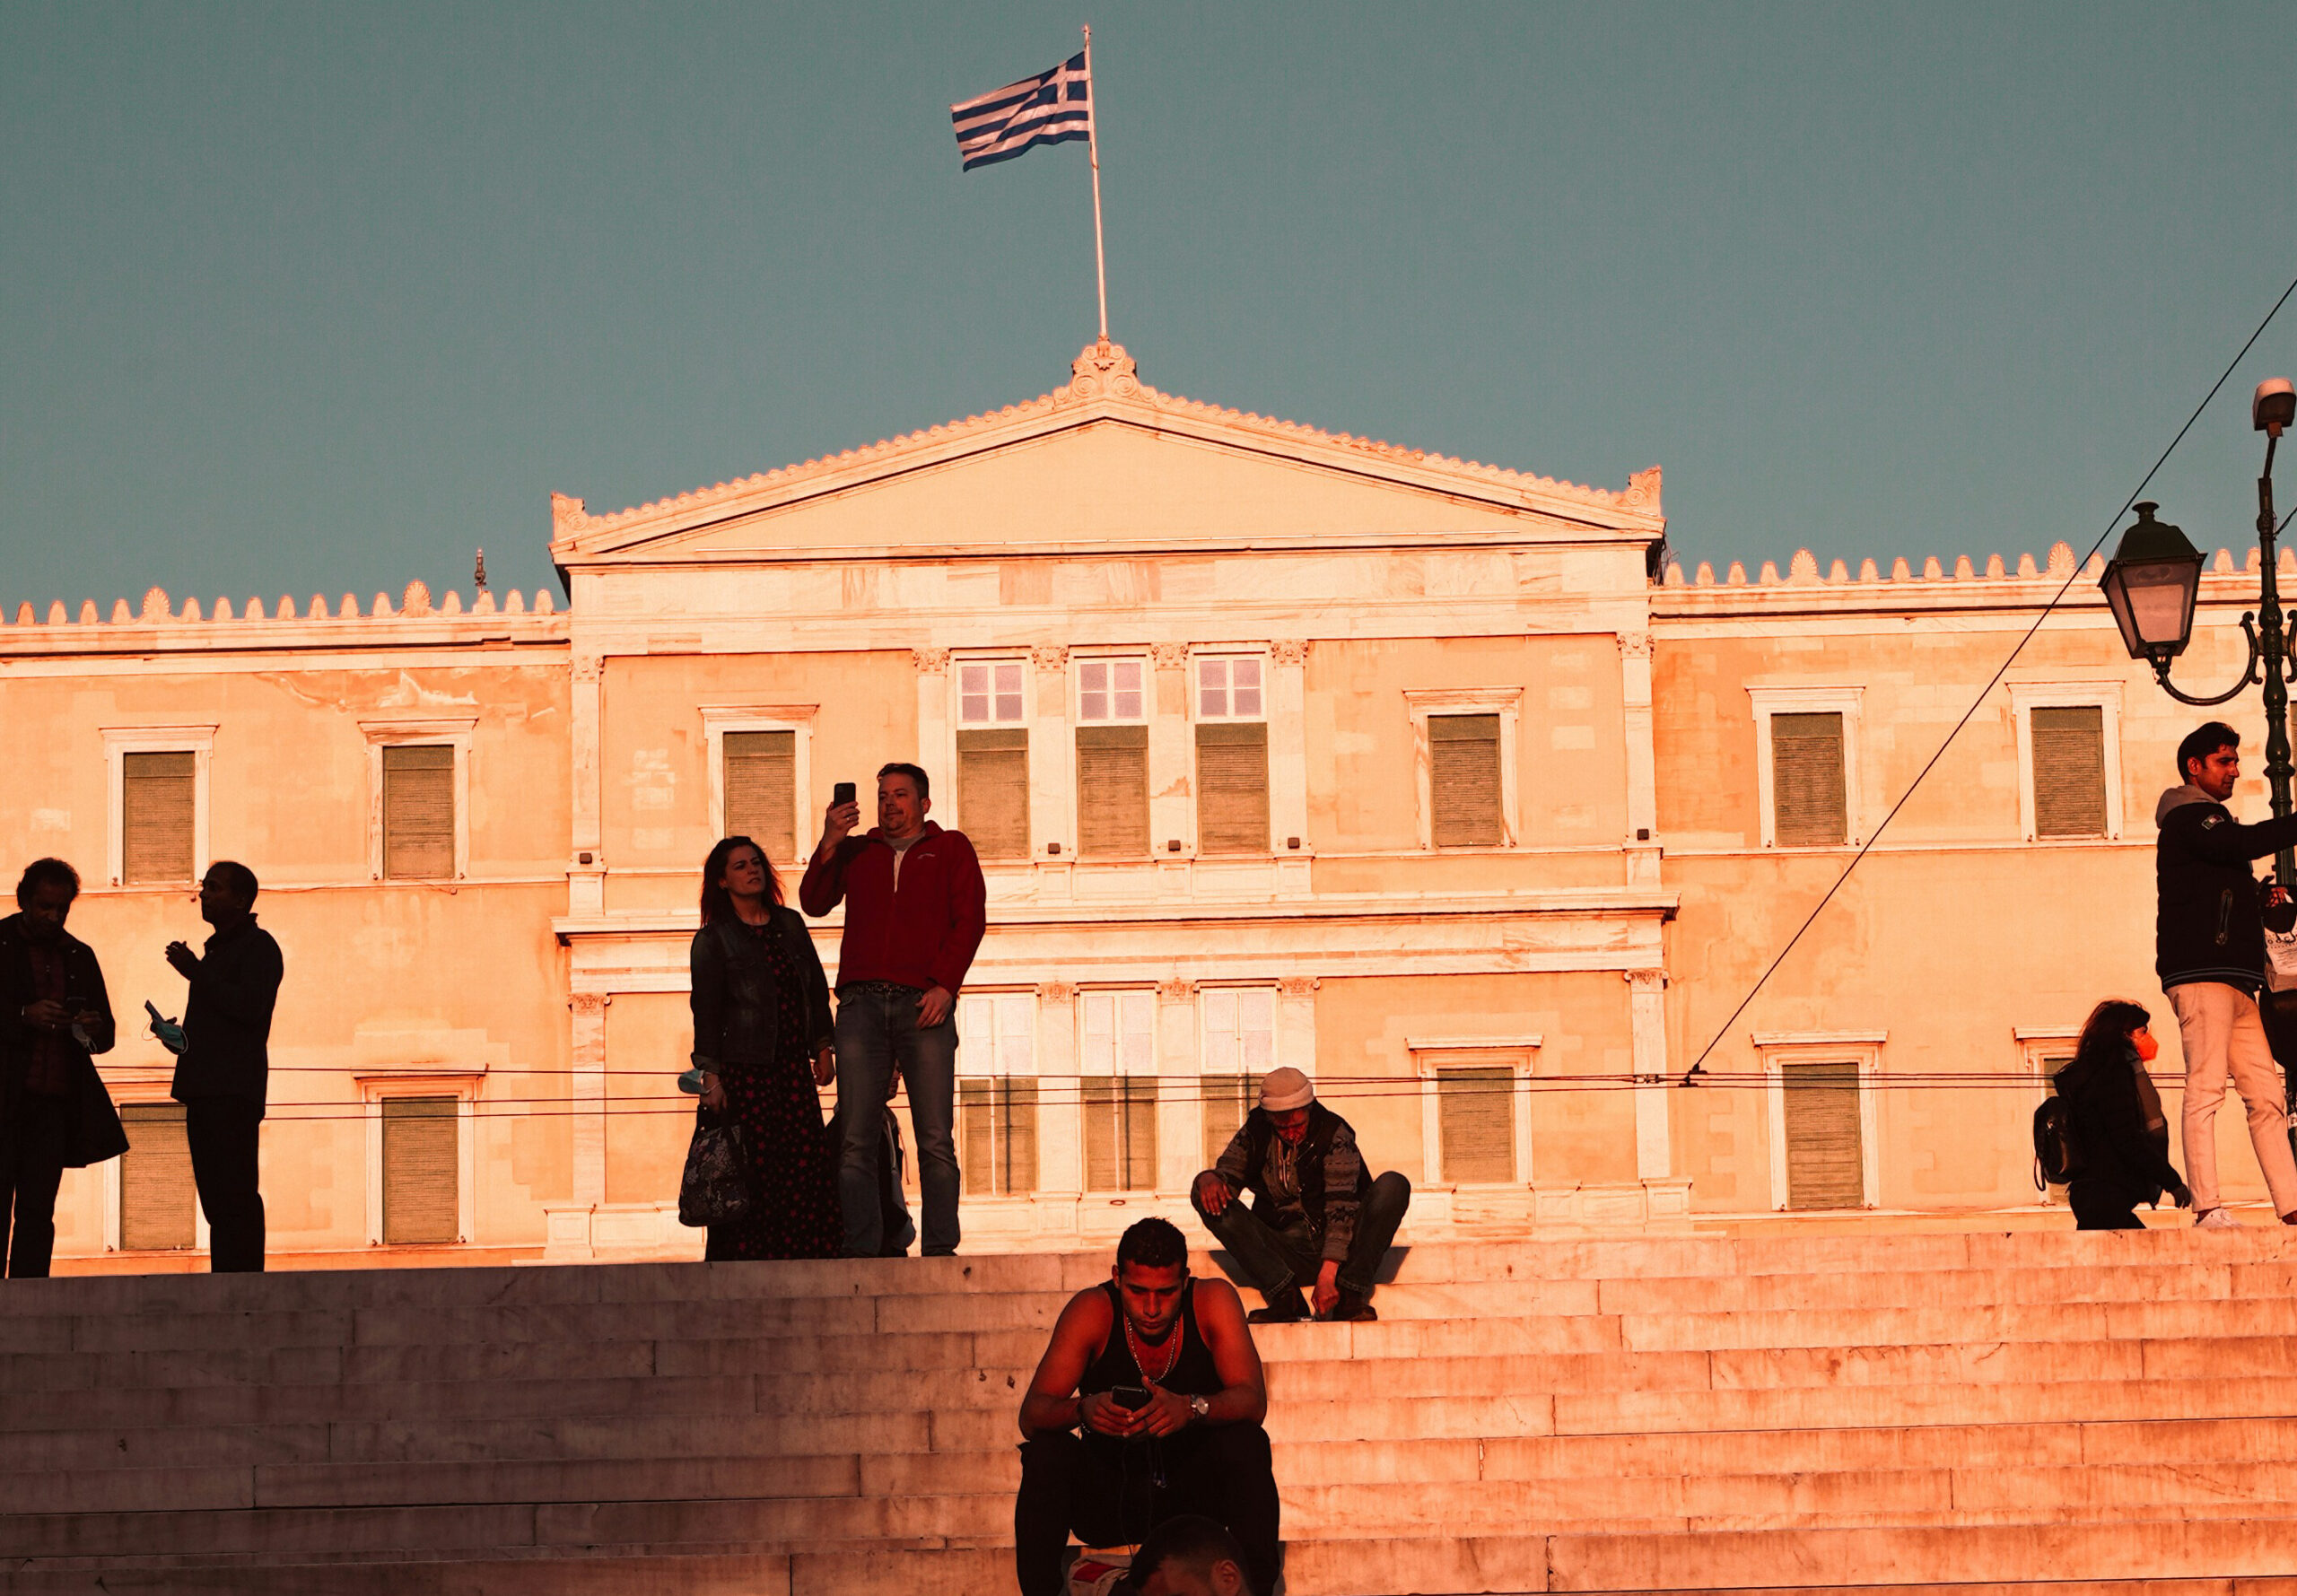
936	750
1179	1115
1296	1022
1051	833
1647	1001
1287	763
586	871
1172	803
1642	760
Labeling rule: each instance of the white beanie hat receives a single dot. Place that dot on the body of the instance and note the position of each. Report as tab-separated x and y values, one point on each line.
1286	1088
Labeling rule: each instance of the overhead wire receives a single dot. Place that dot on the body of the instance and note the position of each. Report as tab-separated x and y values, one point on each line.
1697	1066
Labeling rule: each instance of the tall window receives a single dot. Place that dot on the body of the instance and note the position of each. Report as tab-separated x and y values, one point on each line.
1228	1099
1119	1065
2069	754
421	1163
1825	1152
993	758
158	797
1239	1048
1231	756
1464	781
1808	791
1111	760
997	1105
1475	1122
761	786
159	1210
418	811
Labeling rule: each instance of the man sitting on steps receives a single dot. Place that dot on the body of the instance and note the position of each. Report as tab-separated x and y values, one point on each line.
1161	1371
1316	1212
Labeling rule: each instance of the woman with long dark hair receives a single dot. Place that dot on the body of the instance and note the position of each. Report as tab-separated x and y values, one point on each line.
2118	1122
762	1039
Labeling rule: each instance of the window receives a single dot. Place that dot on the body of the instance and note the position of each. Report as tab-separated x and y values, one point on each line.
158	800
2069	759
1228	1099
421	1202
418	821
1119	1066
1808	799
156	828
993	759
1239	1030
1111	760
418	812
759	770
159	1207
997	1100
1823	1156
1823	1125
1464	781
1228	688
1475	1119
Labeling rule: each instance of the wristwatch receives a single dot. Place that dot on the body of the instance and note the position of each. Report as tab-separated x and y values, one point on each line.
1199	1408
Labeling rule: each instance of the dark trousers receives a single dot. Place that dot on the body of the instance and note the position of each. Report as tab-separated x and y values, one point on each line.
1106	1492
2098	1205
225	1134
877	1033
31	1168
1274	1261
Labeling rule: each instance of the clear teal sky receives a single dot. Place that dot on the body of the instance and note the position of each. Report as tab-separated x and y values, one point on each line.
316	298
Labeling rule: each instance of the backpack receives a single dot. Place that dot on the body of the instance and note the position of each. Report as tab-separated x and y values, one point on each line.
2058	1151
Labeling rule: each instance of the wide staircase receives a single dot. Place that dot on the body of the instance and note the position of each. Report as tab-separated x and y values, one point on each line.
2029	1412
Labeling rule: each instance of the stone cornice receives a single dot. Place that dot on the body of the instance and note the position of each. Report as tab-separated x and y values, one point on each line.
160	626
1103	386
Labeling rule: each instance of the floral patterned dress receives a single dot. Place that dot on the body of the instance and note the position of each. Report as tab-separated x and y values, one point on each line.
793	1169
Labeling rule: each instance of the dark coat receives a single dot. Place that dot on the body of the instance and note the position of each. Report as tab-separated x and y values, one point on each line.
735	1015
2119	1149
227	1018
2209	923
96	1130
1331	1187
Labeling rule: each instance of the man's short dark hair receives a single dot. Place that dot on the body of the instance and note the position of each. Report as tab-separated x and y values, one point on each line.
916	774
1153	1244
1193	1542
46	872
236	879
2203	742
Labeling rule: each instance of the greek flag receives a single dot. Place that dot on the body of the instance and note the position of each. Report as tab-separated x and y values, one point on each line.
1049	109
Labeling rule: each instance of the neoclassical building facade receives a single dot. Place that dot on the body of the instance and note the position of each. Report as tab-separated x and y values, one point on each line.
1438	781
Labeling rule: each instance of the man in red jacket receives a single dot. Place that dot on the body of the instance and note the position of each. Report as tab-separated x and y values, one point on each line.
915	913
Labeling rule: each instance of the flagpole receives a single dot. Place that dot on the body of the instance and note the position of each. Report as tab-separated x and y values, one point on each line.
1093	146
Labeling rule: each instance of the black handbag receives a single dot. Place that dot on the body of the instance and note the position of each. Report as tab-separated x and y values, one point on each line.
716	1187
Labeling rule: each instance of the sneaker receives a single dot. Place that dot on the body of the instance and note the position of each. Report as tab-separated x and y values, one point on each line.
2217	1219
1286	1307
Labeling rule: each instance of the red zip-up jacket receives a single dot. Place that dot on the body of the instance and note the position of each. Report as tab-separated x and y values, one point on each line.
923	936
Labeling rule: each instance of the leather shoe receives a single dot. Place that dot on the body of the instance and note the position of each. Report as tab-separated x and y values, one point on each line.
1286	1307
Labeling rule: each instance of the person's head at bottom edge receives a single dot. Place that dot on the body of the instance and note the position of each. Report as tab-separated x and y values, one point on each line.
1189	1556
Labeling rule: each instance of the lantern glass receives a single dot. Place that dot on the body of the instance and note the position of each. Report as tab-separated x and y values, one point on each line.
2151	585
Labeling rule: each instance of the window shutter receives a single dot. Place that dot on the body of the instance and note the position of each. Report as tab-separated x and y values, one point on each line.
1120	1133
419	1159
1016	1165
1464	780
974	1128
1475	1120
157	792
1139	1102
761	786
158	1204
1099	1097
418	813
1806	785
993	792
2069	771
1825	1164
1232	786
1112	791
1225	1104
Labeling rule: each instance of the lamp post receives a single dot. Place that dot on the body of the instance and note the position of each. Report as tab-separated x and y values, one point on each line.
2153	583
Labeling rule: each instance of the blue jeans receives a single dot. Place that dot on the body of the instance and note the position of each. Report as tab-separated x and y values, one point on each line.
876	1031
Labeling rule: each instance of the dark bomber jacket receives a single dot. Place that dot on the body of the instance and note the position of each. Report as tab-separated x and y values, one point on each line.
1331	1176
2207	921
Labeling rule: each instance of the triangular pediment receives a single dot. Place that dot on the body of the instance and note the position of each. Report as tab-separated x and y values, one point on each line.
1103	462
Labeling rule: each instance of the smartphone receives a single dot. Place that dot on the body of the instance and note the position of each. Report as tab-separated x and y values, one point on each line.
1131	1398
842	793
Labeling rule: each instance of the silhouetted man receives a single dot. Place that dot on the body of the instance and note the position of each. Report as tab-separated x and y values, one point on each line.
1161	1371
225	1071
55	1114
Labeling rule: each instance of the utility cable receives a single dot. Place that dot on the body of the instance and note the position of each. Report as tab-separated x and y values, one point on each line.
2080	567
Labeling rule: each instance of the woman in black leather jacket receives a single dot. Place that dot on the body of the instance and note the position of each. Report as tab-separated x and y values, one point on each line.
762	1034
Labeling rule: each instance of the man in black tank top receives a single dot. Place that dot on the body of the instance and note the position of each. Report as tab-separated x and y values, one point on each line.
1160	1372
